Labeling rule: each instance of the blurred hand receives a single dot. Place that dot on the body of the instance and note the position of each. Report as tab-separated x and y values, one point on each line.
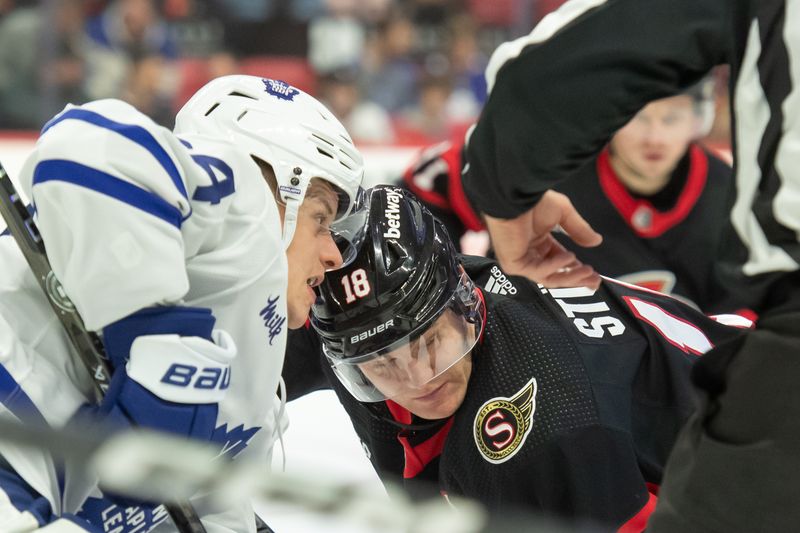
526	247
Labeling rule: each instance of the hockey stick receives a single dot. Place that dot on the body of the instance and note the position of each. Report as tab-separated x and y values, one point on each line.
23	229
148	465
26	234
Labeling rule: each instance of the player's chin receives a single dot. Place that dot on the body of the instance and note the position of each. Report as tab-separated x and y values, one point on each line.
438	412
298	306
442	402
297	315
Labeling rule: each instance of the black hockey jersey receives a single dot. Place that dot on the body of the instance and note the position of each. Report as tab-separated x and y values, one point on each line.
671	249
574	401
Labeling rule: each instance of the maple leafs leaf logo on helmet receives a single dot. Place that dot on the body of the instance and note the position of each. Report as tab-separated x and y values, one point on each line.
280	89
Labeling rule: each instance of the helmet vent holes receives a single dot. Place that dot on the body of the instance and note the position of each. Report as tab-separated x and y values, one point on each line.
241	115
242	95
210	109
347	161
323	152
394	255
323	139
348	141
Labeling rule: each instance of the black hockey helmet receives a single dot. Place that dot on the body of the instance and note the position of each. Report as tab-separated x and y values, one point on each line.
406	275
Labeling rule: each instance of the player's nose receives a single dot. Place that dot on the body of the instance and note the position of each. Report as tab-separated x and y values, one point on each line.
329	254
420	371
655	133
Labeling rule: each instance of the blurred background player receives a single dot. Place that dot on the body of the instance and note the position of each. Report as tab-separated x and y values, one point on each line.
192	253
658	197
562	401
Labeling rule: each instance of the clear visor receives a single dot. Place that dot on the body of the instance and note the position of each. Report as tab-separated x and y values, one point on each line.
407	365
348	231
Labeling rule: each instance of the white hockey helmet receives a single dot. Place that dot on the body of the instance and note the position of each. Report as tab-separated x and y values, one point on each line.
285	127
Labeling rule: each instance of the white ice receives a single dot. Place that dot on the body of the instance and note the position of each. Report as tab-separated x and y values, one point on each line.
320	441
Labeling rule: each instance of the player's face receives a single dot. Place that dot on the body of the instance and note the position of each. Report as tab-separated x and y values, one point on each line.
409	375
312	250
648	148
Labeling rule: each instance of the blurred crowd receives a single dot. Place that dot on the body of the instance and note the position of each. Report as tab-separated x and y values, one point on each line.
394	71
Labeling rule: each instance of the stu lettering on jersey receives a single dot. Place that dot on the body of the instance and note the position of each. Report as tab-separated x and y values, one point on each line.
273	321
591	318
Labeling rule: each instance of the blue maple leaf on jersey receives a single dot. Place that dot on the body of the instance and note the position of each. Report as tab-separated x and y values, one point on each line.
233	441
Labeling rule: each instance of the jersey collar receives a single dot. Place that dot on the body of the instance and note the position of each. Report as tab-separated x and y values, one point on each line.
644	219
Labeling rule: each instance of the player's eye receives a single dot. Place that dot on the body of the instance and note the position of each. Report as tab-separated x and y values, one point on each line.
383	366
323	226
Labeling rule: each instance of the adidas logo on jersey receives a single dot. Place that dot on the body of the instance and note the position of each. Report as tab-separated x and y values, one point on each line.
493	286
499	283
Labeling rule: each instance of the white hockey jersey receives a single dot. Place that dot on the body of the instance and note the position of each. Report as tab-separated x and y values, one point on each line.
133	216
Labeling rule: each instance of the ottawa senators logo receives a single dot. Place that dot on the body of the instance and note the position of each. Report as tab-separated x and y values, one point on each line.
502	424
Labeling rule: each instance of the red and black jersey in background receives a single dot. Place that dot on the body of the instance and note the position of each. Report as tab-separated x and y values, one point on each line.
667	242
574	401
435	179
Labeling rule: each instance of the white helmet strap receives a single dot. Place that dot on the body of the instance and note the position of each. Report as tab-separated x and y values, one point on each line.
292	196
290	221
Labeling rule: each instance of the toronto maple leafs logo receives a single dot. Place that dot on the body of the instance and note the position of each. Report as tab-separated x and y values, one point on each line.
280	89
233	441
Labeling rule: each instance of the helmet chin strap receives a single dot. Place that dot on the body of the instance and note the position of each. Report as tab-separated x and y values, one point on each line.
290	220
292	196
